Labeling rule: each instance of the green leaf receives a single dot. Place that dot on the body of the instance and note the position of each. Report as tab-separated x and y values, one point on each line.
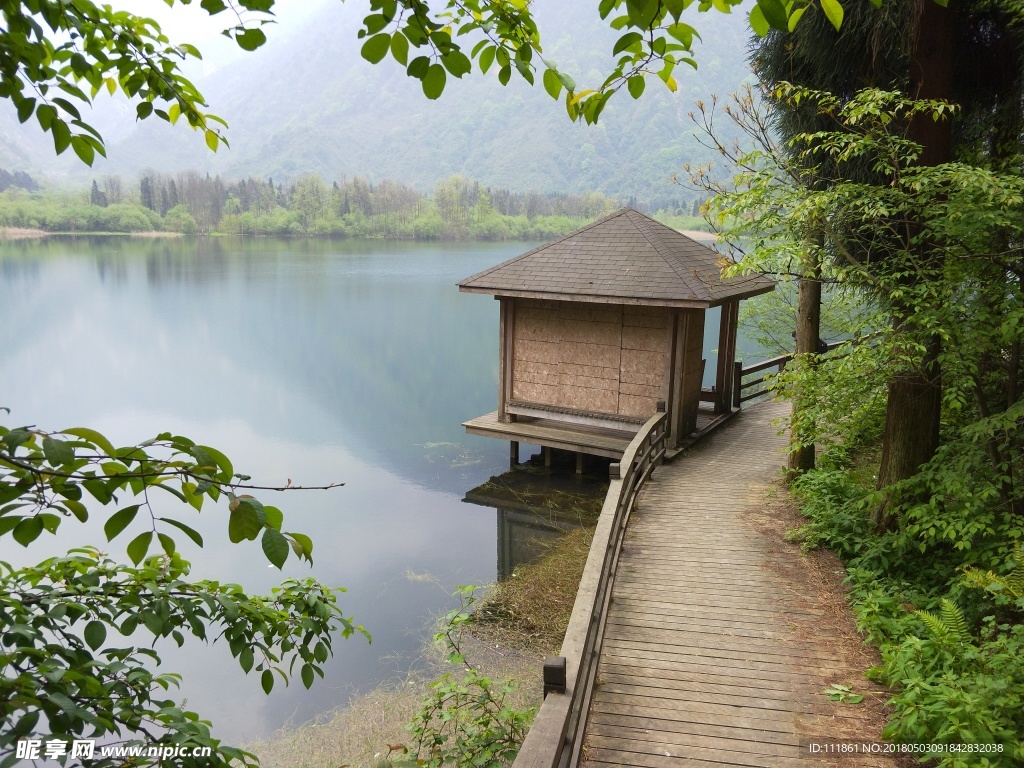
642	12
212	140
487	58
307	675
794	17
305	544
190	532
95	633
250	39
433	81
93	437
376	48
245	659
635	85
684	33
418	67
230	607
76	508
834	11
57	452
218	458
624	42
275	546
400	48
457	63
246	521
551	83
119	521
139	546
45	114
274	517
267	681
774	13
167	543
504	74
758	22
320	652
28	530
25	109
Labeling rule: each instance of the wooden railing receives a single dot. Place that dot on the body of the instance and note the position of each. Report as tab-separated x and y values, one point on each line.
739	396
556	736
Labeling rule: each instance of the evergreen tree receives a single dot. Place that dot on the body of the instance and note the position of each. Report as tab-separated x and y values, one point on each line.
97	196
146	193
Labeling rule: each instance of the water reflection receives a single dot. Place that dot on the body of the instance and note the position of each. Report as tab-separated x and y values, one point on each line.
536	506
317	361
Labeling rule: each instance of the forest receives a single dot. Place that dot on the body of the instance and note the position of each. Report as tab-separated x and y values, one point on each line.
192	203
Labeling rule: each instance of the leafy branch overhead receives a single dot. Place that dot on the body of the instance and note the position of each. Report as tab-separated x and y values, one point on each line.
506	37
58	56
71	669
44	477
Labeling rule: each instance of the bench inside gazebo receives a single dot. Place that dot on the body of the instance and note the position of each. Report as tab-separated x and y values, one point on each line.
601	328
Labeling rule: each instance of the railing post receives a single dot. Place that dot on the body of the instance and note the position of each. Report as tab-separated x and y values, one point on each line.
554	675
737	384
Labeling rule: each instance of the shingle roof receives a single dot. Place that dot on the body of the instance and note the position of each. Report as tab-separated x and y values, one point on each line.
625	257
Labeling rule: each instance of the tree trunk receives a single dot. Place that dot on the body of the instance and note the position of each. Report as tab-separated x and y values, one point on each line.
915	396
808	331
911	426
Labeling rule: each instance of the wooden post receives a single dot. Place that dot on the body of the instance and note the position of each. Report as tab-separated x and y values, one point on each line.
506	344
737	384
513	454
547	456
726	356
579	462
689	367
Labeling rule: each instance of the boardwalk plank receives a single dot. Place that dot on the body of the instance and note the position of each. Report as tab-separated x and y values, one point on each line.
701	663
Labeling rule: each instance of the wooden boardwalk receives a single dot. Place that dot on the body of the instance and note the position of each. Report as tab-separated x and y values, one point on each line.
708	658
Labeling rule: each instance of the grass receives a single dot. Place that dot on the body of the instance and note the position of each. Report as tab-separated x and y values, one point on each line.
535	602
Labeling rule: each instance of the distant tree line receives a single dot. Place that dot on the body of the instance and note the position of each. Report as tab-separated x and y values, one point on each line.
195	203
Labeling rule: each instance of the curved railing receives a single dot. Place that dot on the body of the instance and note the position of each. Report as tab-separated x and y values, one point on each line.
556	736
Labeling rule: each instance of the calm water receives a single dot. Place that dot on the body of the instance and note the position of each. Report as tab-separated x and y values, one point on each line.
310	360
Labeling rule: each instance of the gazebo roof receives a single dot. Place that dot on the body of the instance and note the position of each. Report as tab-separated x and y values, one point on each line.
624	258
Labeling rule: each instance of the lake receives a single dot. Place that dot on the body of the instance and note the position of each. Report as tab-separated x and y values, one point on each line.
310	360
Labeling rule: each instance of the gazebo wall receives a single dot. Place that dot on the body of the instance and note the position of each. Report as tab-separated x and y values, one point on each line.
591	357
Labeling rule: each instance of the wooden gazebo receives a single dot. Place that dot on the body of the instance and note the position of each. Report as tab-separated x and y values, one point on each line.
599	326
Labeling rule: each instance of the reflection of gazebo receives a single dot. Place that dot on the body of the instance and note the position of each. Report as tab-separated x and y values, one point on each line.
599	326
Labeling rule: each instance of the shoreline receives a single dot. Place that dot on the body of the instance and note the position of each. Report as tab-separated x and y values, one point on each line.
21	233
27	233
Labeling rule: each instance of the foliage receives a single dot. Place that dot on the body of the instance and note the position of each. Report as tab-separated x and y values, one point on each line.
466	720
505	35
957	675
953	660
70	668
458	209
843	694
56	54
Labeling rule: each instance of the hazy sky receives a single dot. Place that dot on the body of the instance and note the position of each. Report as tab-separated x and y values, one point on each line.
191	24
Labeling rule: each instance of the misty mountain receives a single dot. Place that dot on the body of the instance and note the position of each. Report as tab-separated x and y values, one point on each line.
307	103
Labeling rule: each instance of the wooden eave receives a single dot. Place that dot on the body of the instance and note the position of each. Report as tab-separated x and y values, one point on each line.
501	293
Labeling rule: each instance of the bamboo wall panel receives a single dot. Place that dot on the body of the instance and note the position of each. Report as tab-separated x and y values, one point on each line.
596	358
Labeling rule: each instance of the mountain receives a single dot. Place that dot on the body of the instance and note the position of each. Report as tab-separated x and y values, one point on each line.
307	103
